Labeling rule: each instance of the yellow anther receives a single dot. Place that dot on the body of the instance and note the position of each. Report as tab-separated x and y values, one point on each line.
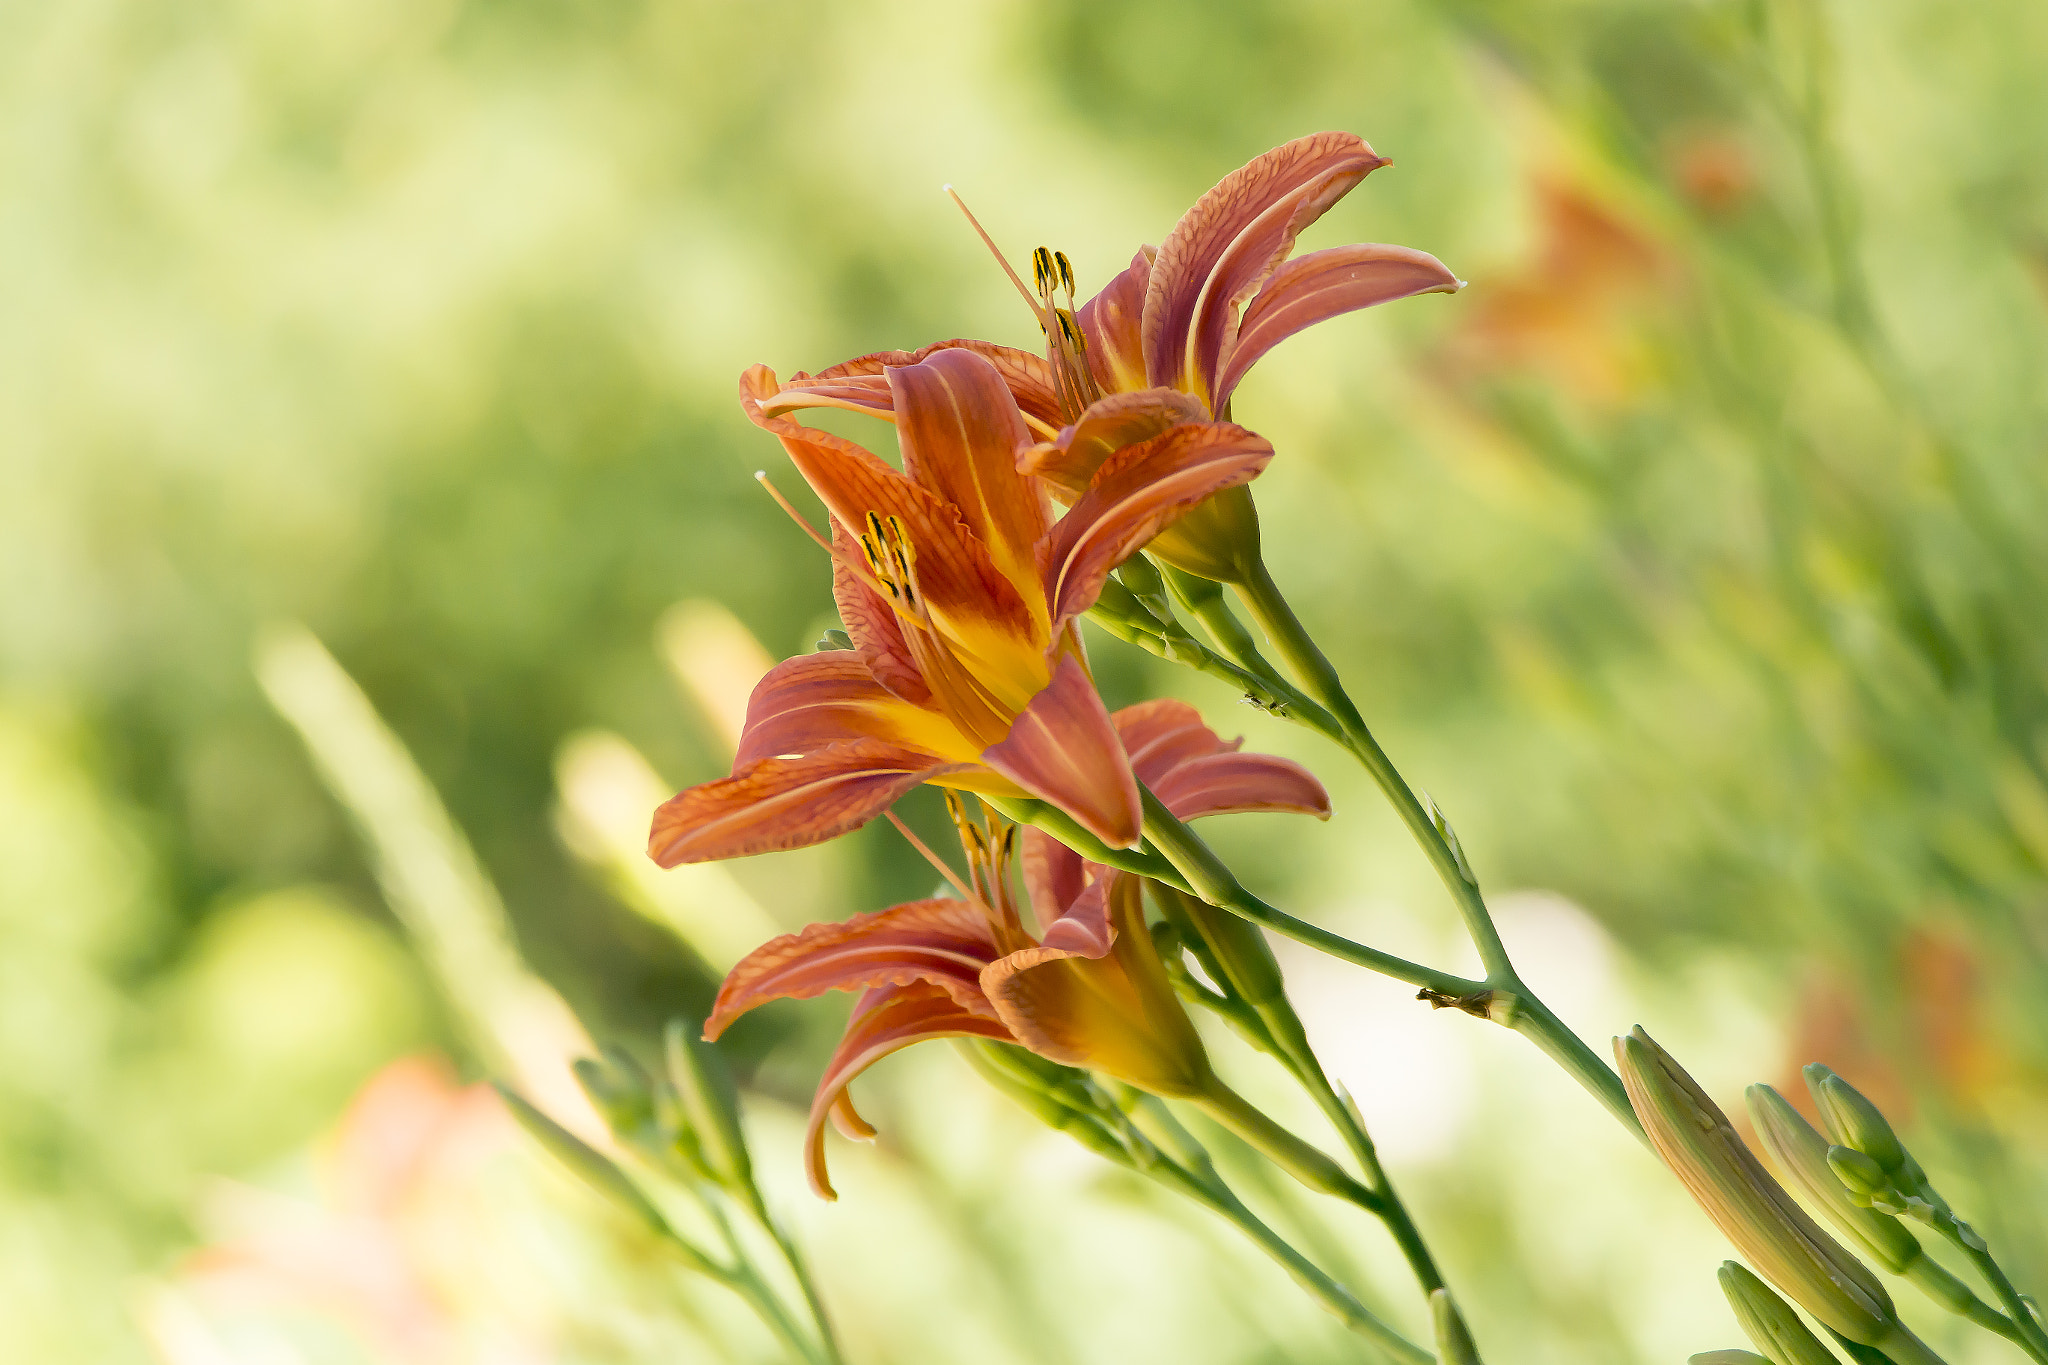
1042	270
1066	269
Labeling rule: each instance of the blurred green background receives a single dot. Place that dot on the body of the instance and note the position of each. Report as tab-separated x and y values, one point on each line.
1693	559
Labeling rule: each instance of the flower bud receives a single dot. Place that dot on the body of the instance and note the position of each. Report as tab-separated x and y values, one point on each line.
1769	1322
620	1092
596	1169
1853	1120
1860	1174
1730	1356
1693	1136
710	1103
1801	1157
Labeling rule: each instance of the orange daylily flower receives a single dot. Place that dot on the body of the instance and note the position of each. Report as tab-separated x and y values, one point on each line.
960	592
1164	344
1088	990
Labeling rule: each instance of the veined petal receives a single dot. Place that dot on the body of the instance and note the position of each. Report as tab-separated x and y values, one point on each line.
1137	493
1229	783
1322	285
1109	424
960	432
1113	323
782	803
1062	749
1115	1013
972	601
806	703
1054	875
887	1019
862	383
1164	733
1226	245
1083	928
943	941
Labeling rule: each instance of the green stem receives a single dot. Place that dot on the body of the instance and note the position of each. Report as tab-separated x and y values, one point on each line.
1513	1002
1304	1162
1334	1297
2034	1340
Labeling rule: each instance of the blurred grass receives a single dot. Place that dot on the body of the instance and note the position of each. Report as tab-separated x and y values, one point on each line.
1690	558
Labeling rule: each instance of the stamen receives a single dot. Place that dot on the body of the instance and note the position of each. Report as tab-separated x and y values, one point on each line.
761	477
1001	260
1066	268
1042	271
934	859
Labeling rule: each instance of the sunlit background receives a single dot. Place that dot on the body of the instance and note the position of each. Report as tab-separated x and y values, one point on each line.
371	363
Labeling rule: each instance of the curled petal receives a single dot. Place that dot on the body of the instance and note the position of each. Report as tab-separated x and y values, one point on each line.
813	700
1054	875
782	803
1115	1013
961	431
1083	929
1164	733
1062	749
862	383
887	1019
1135	495
1113	323
1230	241
943	941
1070	459
1229	783
1322	285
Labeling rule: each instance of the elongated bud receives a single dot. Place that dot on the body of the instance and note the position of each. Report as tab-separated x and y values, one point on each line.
1800	1156
1853	1120
1453	1342
1039	1094
621	1092
710	1102
599	1171
1774	1234
1238	947
1769	1322
1119	604
1729	1356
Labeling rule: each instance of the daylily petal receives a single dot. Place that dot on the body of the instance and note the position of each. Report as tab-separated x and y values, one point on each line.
886	1019
1109	424
806	703
1227	783
944	941
1116	1013
1164	733
1113	322
1054	875
872	625
782	803
862	383
1226	245
960	433
1322	285
1063	749
1084	927
1137	493
959	582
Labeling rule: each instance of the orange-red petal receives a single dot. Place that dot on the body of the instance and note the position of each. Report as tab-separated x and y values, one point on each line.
1070	459
862	383
1196	773
1054	875
1324	284
886	1020
813	700
872	625
960	433
783	803
1230	241
1113	322
1063	749
943	941
1136	494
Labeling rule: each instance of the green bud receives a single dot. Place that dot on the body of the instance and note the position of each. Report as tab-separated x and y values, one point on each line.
1729	1356
620	1091
1041	1096
1453	1341
1800	1156
833	639
1694	1138
1769	1322
1860	1174
1853	1120
1237	946
599	1171
1118	605
710	1103
1141	576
